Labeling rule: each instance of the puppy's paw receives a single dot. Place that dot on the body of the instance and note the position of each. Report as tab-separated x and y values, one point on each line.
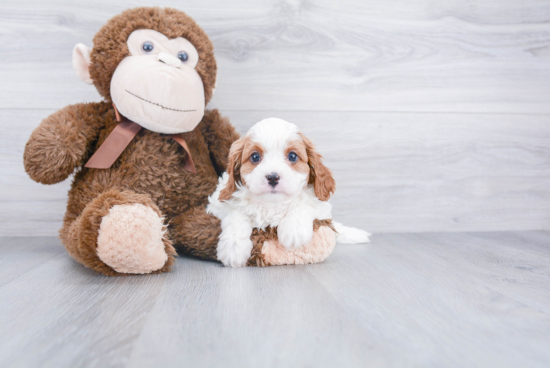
234	252
294	232
235	246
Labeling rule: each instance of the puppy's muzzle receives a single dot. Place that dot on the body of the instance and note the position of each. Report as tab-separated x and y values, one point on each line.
273	179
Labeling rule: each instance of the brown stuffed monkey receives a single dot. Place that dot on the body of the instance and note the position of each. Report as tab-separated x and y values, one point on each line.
146	158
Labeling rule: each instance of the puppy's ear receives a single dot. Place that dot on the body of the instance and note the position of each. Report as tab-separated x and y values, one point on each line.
319	175
233	169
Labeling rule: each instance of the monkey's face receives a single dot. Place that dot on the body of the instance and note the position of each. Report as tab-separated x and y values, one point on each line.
157	85
156	64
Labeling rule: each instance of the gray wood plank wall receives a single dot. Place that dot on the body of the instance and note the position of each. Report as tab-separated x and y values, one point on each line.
434	116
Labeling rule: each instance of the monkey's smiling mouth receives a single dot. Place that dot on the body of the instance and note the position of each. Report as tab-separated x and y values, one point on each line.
154	103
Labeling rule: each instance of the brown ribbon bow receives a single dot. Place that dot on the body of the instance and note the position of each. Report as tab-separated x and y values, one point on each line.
120	138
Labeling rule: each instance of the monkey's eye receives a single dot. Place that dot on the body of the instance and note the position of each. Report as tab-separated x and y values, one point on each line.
147	46
255	158
182	55
292	157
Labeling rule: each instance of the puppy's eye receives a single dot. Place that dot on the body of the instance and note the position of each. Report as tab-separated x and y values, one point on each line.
255	157
147	46
182	55
292	157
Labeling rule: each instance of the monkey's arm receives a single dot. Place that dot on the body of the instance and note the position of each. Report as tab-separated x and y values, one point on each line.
60	143
219	135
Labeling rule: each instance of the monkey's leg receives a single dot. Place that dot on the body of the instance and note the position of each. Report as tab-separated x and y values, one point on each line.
196	233
120	232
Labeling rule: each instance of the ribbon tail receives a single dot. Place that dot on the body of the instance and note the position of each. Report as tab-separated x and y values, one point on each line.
114	145
189	165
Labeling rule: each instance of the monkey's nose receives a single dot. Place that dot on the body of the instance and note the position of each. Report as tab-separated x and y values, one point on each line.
169	59
273	179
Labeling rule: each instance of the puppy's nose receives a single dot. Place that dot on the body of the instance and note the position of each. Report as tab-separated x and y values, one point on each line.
273	179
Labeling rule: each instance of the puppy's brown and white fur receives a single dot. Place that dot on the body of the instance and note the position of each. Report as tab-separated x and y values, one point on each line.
275	178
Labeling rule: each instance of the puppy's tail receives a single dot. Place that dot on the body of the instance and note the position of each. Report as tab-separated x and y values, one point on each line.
350	235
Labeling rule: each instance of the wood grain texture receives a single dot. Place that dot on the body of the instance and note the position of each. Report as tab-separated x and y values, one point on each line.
443	296
433	115
20	256
405	300
491	56
60	314
211	316
395	172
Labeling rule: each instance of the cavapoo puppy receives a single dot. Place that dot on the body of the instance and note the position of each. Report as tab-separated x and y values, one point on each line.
274	178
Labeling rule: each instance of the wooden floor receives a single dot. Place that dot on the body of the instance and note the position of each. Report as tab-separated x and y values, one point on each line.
430	300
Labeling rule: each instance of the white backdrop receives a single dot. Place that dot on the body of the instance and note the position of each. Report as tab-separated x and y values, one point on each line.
433	115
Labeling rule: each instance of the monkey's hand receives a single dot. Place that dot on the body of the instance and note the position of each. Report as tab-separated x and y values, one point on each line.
60	143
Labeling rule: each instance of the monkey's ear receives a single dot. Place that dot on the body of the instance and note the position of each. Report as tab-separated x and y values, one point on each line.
215	86
81	62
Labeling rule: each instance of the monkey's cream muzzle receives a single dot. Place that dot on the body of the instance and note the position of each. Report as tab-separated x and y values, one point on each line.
159	92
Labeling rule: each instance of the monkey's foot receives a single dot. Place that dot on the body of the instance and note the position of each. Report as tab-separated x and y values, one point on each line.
271	253
131	239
